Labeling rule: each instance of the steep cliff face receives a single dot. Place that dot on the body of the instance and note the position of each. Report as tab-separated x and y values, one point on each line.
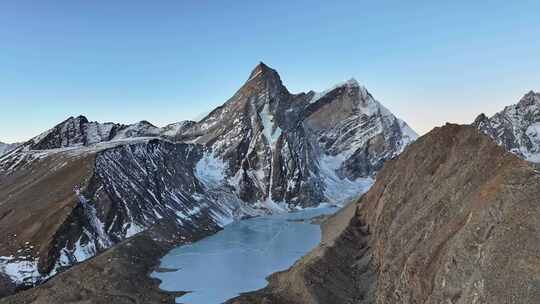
516	127
62	207
300	149
453	220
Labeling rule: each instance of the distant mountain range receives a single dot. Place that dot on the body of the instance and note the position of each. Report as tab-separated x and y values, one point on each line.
82	186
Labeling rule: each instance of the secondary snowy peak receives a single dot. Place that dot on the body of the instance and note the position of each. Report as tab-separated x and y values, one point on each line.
354	127
351	83
67	133
516	127
140	129
73	132
300	149
177	128
80	132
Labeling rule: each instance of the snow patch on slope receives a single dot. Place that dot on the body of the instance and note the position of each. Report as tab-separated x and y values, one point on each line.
339	190
83	252
20	270
408	134
270	130
132	229
348	83
97	132
93	219
210	170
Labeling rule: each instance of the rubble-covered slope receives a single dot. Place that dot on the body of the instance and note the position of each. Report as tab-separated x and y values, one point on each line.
453	220
516	127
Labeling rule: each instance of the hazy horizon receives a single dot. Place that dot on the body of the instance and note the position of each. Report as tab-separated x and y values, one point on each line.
429	63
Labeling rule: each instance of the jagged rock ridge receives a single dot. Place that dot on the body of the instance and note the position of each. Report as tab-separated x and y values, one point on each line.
517	127
78	131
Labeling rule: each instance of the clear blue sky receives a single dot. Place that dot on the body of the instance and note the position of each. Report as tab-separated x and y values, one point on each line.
166	61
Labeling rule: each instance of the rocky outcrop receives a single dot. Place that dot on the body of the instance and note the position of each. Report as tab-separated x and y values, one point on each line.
453	220
517	127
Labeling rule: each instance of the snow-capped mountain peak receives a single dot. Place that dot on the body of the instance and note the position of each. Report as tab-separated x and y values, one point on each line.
276	143
516	127
350	84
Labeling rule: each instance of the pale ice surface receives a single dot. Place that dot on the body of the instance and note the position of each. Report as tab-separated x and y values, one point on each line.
340	189
240	257
210	169
318	95
19	270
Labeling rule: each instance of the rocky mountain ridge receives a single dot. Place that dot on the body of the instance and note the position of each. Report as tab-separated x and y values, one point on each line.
516	127
80	132
454	219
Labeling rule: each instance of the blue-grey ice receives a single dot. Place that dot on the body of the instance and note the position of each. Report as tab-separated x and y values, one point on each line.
240	257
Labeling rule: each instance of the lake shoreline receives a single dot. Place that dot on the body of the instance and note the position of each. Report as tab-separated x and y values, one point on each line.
137	258
194	258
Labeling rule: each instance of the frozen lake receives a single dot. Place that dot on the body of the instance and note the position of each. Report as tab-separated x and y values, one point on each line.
240	257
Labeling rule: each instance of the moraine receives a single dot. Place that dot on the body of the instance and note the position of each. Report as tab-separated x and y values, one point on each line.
240	257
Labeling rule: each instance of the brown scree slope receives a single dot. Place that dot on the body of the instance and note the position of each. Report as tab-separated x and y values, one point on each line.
454	219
